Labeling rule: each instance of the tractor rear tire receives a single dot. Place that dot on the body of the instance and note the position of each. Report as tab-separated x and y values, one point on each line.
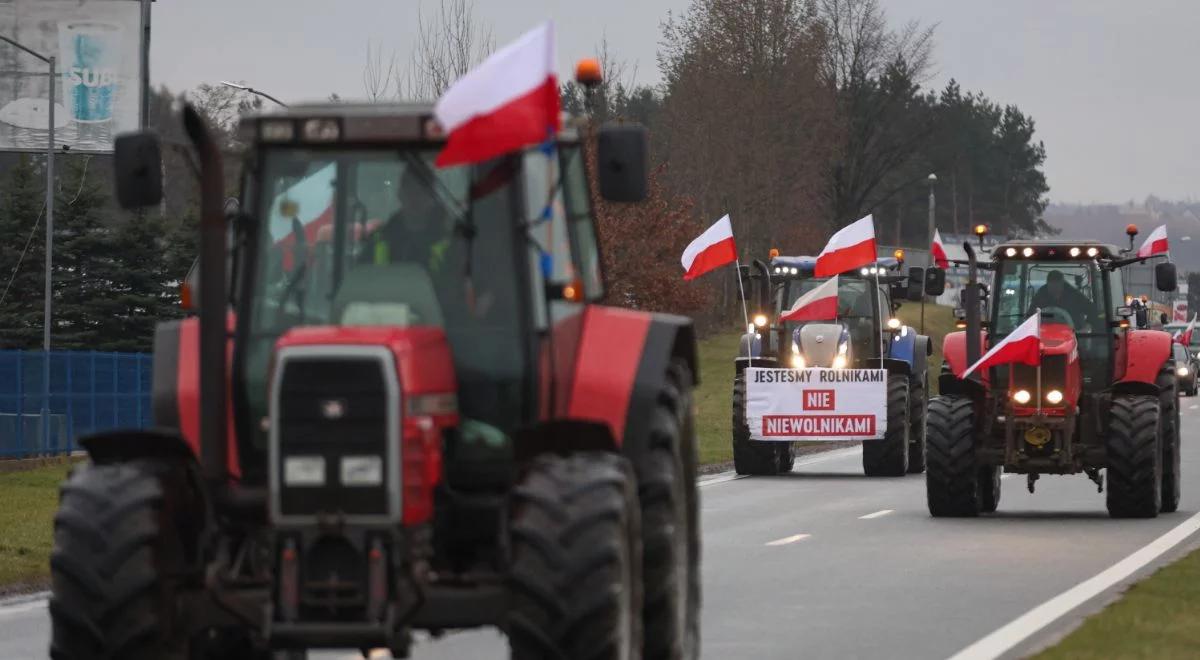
1172	468
753	457
989	488
918	406
670	529
120	558
951	475
889	457
1134	457
576	574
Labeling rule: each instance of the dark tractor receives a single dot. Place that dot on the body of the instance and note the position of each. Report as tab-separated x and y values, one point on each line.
869	338
398	408
1104	397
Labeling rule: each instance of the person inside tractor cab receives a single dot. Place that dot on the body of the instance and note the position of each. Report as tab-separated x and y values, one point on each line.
418	232
1057	293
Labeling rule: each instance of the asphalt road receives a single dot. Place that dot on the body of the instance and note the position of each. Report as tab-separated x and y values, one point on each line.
825	563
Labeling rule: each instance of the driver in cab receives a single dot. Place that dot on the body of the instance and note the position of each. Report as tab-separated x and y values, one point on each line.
1057	293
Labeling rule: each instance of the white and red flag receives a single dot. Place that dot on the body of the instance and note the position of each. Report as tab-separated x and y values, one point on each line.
1185	337
938	251
851	247
820	304
1023	345
1155	243
712	249
507	102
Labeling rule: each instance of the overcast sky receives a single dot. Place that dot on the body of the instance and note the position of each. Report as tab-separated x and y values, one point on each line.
1112	84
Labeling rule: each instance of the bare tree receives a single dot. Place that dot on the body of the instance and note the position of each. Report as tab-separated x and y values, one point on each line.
449	43
861	46
379	73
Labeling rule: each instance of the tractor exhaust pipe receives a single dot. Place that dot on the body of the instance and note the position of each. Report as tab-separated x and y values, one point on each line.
214	448
971	302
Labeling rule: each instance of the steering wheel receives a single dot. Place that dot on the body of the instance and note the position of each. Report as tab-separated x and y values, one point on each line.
1059	313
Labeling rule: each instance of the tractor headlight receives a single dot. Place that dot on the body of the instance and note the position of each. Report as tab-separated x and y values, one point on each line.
1182	371
1010	252
1092	252
839	362
1054	397
798	361
893	324
843	348
1075	252
1027	252
1021	396
760	320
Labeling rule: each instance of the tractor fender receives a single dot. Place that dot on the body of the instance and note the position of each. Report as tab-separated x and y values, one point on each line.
1142	355
123	445
750	345
954	350
621	369
892	365
912	348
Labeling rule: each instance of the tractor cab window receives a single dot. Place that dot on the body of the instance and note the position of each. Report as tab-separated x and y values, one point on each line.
377	237
854	308
1067	292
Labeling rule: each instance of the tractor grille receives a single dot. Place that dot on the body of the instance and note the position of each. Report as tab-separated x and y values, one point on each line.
1054	375
334	434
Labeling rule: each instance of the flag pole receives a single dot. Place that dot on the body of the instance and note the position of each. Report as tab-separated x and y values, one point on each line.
1039	364
745	312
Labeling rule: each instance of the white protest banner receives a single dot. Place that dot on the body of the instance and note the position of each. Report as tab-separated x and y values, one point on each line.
816	404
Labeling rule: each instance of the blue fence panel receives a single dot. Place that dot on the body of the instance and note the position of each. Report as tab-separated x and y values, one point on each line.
89	392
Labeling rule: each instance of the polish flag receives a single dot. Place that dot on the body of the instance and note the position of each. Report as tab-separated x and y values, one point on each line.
507	102
1023	345
1185	337
713	249
820	304
938	250
851	247
1156	243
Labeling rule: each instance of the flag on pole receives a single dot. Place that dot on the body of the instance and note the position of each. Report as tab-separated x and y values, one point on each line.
712	249
1022	345
851	247
1185	337
507	102
938	251
820	304
1155	243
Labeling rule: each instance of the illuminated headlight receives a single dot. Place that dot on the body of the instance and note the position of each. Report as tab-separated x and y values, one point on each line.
1054	396
1027	252
760	320
1075	252
321	130
798	361
1010	252
843	348
777	270
277	131
1021	396
894	324
839	362
865	271
1182	371
1092	252
795	271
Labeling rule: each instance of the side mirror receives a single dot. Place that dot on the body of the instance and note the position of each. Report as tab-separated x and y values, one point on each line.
622	158
935	282
916	284
137	166
1164	276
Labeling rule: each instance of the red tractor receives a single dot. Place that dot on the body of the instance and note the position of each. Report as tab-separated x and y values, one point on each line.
1104	396
398	408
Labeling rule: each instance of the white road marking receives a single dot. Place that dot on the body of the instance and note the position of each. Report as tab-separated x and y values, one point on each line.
726	477
789	539
1193	406
1021	628
877	514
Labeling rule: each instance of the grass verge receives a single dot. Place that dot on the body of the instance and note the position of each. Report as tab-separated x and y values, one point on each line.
1157	618
26	526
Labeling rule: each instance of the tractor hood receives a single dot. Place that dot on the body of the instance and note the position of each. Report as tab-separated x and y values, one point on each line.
820	343
1058	339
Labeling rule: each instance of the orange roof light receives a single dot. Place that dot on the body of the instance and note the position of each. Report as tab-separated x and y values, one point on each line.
587	72
773	253
981	230
899	254
1131	229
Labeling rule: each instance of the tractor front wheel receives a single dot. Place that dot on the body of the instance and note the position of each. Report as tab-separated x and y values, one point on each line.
755	457
889	457
989	488
951	475
1134	457
576	574
121	556
918	407
1168	386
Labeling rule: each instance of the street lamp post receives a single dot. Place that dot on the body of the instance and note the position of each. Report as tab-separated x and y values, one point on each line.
256	92
932	206
48	306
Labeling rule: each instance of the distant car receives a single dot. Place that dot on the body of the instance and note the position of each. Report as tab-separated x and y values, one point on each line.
1185	369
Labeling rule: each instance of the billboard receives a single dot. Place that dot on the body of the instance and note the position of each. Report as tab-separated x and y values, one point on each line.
98	86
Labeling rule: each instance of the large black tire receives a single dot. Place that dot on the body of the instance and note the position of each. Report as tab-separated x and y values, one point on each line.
918	405
754	457
889	457
1168	403
122	553
951	475
989	488
1134	480
576	575
670	532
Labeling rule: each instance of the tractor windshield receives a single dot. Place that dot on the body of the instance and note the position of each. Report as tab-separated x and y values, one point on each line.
854	307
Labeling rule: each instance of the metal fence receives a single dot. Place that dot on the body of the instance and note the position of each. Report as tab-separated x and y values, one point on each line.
89	391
